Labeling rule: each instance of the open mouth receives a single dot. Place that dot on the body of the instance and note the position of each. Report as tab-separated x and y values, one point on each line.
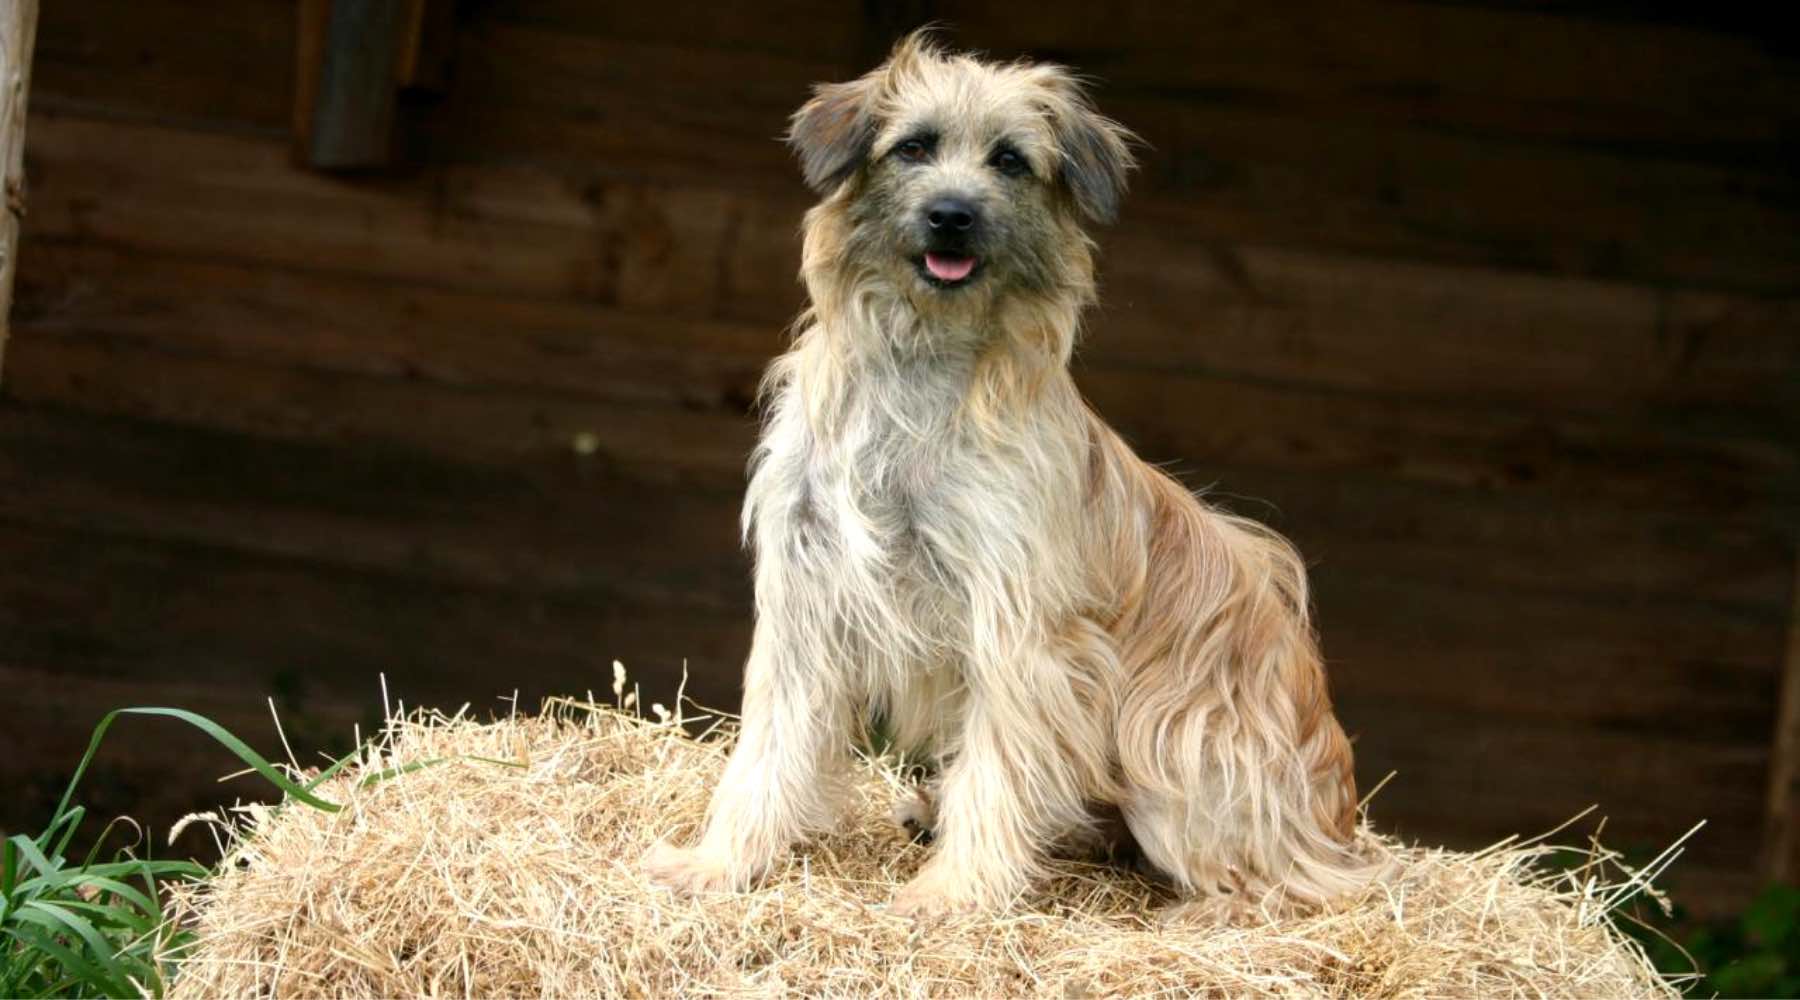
947	270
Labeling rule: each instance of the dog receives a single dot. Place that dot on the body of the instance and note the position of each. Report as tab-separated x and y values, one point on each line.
947	537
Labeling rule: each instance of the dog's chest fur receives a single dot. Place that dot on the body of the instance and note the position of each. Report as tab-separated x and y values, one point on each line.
874	514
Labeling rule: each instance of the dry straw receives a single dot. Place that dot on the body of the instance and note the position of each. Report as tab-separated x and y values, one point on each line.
471	877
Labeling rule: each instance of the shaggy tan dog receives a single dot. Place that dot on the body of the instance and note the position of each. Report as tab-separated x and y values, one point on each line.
947	535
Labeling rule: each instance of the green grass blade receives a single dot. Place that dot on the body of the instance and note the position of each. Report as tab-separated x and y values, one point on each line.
122	869
394	772
64	913
9	873
34	856
219	733
107	916
336	766
36	951
419	765
101	972
68	820
139	903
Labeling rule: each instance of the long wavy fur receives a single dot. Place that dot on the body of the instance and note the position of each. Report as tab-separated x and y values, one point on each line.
947	534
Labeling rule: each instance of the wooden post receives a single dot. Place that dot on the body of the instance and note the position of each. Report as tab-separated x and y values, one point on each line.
18	29
1781	835
355	58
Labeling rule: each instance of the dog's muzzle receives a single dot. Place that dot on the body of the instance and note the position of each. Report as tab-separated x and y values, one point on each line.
951	225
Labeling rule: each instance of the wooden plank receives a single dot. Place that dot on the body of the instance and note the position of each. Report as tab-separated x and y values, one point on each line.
134	60
1703	93
1433	331
345	323
1704	675
1388	626
710	253
284	403
684	249
1234	171
802	29
1466	778
1237	170
1561	546
1202	422
325	324
1334	319
1542	75
1220	423
18	27
1391	626
110	606
552	528
1388	328
1781	822
557	526
1251	176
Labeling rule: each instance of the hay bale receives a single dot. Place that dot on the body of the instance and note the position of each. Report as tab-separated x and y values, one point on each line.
469	877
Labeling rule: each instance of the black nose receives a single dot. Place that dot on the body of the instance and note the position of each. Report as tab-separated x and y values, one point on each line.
952	215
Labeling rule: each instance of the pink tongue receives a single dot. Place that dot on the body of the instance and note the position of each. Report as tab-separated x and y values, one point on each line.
947	267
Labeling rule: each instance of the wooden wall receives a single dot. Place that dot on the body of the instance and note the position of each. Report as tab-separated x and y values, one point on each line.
1493	310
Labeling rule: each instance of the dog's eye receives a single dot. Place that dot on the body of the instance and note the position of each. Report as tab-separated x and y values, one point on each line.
912	151
1009	163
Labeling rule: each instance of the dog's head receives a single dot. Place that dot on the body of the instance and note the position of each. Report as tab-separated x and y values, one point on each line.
953	178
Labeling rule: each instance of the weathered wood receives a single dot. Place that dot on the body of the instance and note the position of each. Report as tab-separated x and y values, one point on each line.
1662	89
554	524
341	322
221	66
1465	777
427	43
1781	823
1588	664
1234	171
1500	70
18	28
556	527
1331	321
1447	332
1316	318
1219	423
803	29
103	605
349	79
655	442
684	249
1252	164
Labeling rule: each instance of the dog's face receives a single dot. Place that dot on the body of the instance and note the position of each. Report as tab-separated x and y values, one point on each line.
960	178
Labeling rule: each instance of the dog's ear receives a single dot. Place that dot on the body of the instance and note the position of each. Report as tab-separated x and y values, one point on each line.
1096	155
833	132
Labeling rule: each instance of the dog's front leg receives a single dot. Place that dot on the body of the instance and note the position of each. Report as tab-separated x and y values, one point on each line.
1031	751
779	781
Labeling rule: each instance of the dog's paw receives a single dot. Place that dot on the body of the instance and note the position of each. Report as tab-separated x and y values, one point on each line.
932	895
689	871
